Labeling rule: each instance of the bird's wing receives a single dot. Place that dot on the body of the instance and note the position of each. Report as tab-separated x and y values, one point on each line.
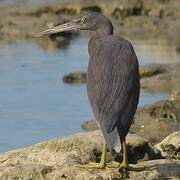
114	78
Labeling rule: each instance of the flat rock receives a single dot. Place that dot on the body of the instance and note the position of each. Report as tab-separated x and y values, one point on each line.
90	125
59	158
150	70
154	78
145	71
135	18
170	146
75	78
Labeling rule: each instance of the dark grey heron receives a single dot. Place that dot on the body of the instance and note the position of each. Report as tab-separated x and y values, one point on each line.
112	81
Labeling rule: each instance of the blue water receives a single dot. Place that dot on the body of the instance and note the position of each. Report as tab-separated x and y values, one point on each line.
35	104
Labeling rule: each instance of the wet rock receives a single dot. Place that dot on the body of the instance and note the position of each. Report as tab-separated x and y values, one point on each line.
14	26
178	48
158	82
153	122
134	8
170	146
141	18
175	95
166	110
152	70
146	71
156	121
62	40
91	8
150	10
162	118
173	32
59	158
90	125
75	78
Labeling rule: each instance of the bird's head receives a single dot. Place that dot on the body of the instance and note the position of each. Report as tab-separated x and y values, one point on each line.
92	21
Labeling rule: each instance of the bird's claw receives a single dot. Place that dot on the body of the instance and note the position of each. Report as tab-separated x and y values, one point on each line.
124	166
92	165
97	166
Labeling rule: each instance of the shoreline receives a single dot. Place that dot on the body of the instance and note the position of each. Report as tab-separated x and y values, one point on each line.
155	136
58	158
137	19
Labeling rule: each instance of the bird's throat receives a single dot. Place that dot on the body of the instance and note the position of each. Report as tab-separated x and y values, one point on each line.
104	30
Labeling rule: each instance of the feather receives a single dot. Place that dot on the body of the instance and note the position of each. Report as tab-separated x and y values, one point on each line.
113	86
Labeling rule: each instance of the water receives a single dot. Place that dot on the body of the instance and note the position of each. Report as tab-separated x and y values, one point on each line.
29	3
35	104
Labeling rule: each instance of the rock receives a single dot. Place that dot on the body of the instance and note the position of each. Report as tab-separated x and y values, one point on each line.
170	73
139	149
153	78
150	10
172	31
166	110
153	122
170	146
13	27
159	169
150	70
90	125
75	77
158	120
178	48
144	19
175	95
146	71
59	158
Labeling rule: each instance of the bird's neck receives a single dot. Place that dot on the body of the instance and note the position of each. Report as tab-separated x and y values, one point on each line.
104	30
101	32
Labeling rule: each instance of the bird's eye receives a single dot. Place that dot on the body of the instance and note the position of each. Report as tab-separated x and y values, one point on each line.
82	21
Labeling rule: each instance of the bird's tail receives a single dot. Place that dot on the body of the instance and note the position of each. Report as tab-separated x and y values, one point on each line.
112	139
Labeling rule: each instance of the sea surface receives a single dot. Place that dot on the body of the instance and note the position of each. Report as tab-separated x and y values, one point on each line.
36	105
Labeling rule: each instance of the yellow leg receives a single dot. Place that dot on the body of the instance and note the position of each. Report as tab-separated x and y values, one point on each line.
125	165
102	164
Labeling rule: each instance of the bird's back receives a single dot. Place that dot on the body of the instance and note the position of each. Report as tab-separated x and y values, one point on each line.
113	85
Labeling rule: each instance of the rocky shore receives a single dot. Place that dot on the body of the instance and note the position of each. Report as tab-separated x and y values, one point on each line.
162	118
140	18
153	122
154	139
59	159
150	74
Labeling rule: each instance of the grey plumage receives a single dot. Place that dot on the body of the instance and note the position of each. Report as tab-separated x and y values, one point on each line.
112	78
113	86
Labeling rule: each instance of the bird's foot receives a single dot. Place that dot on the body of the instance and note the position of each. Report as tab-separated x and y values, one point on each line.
126	166
92	165
99	166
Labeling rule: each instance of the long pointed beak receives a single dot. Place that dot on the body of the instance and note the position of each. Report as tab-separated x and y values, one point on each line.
70	26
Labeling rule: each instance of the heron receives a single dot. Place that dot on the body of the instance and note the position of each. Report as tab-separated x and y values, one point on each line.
113	84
